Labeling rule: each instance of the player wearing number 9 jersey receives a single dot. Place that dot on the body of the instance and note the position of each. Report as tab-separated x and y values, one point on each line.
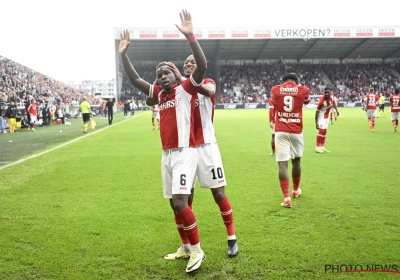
289	99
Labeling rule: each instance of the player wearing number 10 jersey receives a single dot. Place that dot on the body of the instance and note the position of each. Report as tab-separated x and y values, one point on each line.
289	98
210	170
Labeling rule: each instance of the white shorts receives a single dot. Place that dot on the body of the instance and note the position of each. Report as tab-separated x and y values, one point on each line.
210	170
155	115
288	145
371	113
322	122
395	115
333	111
33	119
178	170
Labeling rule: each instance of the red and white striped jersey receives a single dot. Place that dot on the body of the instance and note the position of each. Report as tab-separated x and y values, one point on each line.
156	109
204	117
371	100
176	113
324	106
395	103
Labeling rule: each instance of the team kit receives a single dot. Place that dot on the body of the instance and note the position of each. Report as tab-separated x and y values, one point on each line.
183	106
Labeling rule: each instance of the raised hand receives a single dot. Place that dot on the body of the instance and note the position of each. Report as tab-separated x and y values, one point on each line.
124	43
174	69
186	27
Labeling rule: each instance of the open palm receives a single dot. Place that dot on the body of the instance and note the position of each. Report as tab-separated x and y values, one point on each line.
124	43
186	27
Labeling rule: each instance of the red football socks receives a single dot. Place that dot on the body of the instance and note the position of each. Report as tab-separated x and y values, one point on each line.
189	225
226	214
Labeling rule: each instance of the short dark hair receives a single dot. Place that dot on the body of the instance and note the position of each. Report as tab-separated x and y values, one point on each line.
327	89
396	91
161	64
290	76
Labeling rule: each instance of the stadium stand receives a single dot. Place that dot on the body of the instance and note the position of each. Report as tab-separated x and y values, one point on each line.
21	84
252	82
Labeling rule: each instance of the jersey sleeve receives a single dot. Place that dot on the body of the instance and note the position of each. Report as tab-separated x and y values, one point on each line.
271	110
154	91
191	86
320	103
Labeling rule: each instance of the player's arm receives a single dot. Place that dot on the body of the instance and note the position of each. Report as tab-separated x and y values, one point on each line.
271	114
306	96
316	118
133	76
186	29
151	101
205	89
336	108
319	107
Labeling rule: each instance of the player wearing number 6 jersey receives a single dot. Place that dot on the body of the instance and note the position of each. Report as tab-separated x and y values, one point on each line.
210	170
179	157
289	98
395	109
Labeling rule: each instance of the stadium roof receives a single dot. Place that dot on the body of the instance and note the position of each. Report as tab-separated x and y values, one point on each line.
264	49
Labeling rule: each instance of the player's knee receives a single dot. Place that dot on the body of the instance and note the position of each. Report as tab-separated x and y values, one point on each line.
218	194
179	202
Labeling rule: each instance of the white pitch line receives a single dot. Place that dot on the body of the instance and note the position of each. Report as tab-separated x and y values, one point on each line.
60	146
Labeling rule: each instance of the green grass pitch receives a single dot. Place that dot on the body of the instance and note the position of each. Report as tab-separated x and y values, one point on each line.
94	209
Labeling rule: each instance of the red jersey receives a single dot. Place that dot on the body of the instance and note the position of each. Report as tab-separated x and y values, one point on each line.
371	100
324	106
395	103
156	109
32	109
204	117
271	110
289	99
176	113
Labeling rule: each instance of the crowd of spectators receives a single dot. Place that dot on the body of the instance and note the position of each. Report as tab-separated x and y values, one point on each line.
255	80
248	82
352	80
21	84
349	81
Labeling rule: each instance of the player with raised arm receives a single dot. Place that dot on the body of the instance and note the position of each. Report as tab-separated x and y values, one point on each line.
210	170
179	157
371	99
325	105
395	109
272	124
289	99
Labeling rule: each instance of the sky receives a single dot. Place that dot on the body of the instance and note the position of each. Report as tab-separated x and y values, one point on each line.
74	41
